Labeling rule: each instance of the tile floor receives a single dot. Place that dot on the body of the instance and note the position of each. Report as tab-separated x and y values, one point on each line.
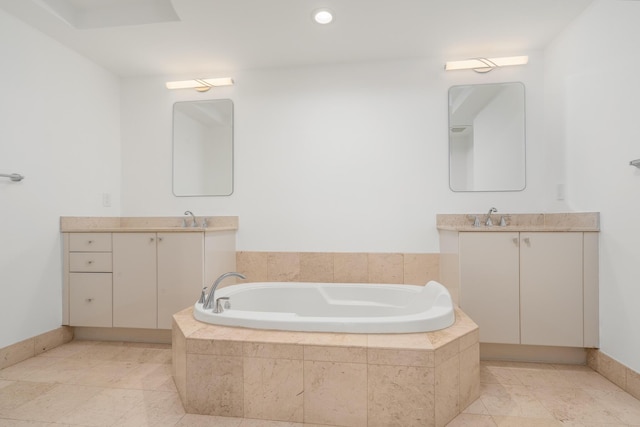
86	383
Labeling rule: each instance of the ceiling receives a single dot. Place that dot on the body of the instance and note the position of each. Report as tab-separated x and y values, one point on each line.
197	37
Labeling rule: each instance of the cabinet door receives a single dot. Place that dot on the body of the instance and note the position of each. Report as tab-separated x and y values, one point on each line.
134	280
180	273
551	289
90	299
489	284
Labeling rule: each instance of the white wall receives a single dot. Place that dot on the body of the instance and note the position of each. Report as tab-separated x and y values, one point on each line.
592	100
349	157
59	126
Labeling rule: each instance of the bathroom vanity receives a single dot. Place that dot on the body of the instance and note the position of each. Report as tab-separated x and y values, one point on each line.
138	272
533	281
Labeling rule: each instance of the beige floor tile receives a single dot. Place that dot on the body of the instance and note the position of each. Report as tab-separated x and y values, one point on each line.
584	377
55	403
105	374
472	420
192	420
498	375
624	406
147	376
512	400
476	408
263	423
21	423
59	370
157	409
525	422
574	405
17	393
105	408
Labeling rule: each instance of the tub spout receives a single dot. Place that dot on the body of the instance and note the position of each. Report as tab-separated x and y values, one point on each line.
209	303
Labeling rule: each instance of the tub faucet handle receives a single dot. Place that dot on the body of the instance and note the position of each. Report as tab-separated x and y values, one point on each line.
203	296
222	303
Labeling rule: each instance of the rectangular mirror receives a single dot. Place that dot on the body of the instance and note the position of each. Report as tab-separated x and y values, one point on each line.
487	137
203	148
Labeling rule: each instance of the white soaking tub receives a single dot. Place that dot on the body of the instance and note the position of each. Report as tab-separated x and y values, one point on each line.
334	307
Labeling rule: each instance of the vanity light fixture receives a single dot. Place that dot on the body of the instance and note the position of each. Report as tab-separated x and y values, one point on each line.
484	65
323	16
201	85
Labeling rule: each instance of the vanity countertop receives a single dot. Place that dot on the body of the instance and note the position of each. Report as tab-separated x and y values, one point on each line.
554	222
73	224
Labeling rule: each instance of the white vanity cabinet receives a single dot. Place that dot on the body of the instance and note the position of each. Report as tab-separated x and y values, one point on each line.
181	270
134	279
534	288
489	290
154	276
88	262
135	292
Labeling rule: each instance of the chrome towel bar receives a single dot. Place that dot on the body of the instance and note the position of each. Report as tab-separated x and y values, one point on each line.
12	176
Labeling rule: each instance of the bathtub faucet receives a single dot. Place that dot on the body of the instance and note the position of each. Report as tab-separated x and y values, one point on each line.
210	301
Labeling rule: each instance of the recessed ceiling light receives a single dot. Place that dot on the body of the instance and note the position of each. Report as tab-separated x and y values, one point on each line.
323	16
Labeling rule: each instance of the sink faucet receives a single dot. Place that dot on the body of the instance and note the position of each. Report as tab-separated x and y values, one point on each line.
210	299
194	223
488	222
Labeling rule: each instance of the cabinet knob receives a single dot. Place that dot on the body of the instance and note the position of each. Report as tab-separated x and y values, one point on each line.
90	262
89	299
515	241
527	241
89	242
151	239
160	239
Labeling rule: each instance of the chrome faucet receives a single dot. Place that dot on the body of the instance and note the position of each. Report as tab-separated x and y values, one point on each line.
209	303
488	222
194	223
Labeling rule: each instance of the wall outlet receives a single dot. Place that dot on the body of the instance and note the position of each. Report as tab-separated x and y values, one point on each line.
106	200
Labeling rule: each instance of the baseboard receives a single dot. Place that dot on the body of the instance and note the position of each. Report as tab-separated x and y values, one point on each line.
616	372
157	336
533	353
23	350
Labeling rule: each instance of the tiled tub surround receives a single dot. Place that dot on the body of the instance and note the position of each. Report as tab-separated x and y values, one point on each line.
329	267
422	379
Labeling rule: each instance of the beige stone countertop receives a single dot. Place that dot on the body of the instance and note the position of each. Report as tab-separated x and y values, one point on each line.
550	222
145	224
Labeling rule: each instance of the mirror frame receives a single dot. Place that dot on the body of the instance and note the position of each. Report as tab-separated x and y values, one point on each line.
524	137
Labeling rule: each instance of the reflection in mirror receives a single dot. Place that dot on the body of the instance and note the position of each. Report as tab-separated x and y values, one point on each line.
487	137
203	148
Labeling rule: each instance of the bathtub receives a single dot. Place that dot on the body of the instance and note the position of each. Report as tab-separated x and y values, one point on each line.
334	307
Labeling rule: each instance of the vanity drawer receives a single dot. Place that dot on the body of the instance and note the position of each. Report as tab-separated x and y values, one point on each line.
91	262
90	242
90	299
